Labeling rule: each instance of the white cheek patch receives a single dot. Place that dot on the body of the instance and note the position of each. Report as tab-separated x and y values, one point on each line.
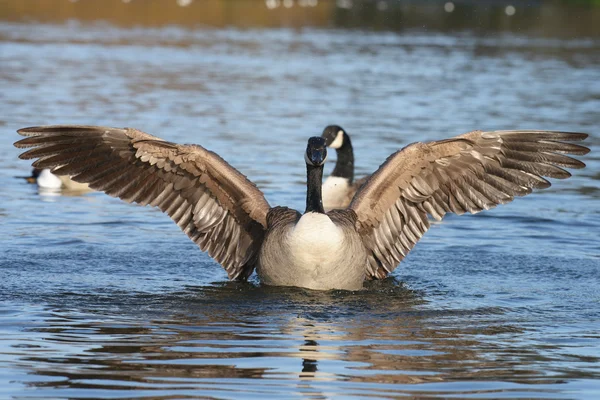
339	140
307	160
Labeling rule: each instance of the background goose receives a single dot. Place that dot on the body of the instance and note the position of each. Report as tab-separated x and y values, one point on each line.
227	216
45	179
339	187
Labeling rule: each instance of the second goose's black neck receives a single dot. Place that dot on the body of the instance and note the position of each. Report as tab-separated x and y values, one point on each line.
314	180
344	166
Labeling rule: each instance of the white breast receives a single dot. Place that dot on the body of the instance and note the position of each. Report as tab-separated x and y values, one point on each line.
315	240
313	253
335	191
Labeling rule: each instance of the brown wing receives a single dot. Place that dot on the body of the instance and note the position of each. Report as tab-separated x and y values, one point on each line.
356	185
469	173
214	204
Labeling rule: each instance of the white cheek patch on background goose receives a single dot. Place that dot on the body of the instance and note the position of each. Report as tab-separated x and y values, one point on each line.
339	140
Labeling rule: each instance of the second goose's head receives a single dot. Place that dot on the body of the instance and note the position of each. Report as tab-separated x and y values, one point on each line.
316	152
335	136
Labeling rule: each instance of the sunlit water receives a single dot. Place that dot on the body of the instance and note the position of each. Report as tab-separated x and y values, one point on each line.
100	299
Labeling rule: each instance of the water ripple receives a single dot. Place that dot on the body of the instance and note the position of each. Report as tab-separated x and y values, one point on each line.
101	299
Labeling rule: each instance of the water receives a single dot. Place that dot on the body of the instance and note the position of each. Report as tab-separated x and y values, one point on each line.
100	299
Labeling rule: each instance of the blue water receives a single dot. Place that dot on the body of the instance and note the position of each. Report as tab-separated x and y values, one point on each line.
100	299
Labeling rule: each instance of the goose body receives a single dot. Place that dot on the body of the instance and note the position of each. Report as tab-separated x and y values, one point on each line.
340	187
319	251
228	217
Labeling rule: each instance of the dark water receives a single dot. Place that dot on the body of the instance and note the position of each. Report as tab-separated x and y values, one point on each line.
99	299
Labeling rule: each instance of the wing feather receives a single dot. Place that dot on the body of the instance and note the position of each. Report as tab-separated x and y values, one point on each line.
214	204
466	174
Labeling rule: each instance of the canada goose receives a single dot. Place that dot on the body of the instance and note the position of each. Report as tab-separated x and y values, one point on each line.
46	180
226	215
339	187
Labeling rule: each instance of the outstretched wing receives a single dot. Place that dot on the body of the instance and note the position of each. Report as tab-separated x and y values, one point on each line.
213	203
355	187
468	173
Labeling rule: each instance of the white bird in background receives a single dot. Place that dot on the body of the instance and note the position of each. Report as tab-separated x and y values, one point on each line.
46	180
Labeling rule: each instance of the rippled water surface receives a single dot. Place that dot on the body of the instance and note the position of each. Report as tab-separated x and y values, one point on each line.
100	299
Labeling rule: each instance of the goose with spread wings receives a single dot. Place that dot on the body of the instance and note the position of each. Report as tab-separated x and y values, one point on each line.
227	216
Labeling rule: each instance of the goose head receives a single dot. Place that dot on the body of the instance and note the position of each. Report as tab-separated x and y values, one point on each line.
35	173
316	152
334	136
45	179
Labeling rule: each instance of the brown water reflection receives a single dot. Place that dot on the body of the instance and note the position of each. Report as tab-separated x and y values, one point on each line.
543	18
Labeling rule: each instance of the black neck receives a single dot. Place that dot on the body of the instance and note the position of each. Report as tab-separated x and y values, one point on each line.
344	166
314	180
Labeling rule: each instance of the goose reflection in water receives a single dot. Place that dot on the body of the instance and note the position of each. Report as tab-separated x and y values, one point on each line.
203	339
